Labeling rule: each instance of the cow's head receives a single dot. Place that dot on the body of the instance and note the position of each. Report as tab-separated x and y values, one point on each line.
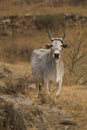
56	46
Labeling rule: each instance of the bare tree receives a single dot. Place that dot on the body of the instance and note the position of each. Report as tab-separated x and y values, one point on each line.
77	62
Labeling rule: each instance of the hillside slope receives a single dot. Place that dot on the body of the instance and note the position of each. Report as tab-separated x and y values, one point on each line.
34	7
22	109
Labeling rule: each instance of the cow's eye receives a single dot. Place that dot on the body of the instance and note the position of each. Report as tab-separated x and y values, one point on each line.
61	45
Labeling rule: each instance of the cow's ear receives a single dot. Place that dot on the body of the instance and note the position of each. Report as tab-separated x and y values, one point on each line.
48	46
65	46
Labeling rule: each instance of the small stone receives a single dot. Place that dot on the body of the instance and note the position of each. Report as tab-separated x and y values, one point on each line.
7	70
67	127
2	75
67	122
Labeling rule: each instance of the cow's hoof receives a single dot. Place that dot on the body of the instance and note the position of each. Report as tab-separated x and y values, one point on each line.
57	95
48	93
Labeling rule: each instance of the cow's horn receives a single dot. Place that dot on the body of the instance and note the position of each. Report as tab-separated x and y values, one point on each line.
49	35
64	35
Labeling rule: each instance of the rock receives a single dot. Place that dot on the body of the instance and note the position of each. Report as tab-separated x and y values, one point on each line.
19	100
10	117
19	113
6	21
67	121
7	70
2	75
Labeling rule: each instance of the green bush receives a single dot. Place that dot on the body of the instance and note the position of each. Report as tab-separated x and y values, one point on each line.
44	21
57	3
49	21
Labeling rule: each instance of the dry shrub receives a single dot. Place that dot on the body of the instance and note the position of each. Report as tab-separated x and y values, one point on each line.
15	86
75	65
11	119
21	2
57	3
77	2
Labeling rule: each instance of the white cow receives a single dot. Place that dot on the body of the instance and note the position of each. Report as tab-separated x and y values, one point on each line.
47	65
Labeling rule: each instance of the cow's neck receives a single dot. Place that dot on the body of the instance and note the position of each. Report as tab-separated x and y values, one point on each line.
58	67
57	70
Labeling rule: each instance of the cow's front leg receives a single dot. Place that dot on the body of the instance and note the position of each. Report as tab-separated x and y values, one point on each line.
38	87
47	87
59	88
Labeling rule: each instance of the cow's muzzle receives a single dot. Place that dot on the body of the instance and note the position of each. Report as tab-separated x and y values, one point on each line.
56	55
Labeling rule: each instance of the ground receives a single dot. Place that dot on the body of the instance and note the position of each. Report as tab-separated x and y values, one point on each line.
23	108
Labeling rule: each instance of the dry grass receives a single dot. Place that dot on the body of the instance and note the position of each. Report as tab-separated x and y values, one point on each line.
39	7
19	48
72	100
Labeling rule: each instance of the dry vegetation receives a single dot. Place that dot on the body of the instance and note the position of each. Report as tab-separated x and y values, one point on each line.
20	107
42	7
22	34
23	27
